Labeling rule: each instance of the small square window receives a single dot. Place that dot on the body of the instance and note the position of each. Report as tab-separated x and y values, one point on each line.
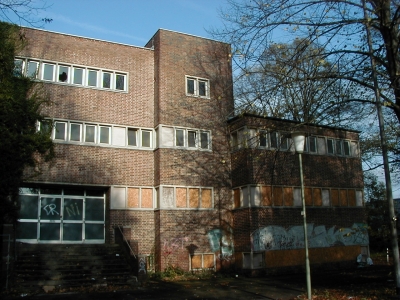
196	87
78	76
132	137
104	135
120	82
75	132
90	133
48	72
32	71
59	131
106	80
92	78
179	138
63	73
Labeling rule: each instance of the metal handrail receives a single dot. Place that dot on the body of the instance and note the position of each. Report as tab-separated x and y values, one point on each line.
126	241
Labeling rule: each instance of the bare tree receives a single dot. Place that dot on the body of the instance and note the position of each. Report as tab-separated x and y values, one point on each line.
23	12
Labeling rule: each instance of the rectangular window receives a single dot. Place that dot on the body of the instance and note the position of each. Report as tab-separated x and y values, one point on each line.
32	70
18	67
90	133
263	139
146	138
339	147
329	143
119	136
312	144
106	80
78	76
346	148
132	137
120	82
59	131
104	135
63	74
192	140
75	132
48	72
197	87
273	137
92	78
284	142
205	140
179	138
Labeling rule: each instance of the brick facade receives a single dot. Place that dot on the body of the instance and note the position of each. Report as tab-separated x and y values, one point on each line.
182	204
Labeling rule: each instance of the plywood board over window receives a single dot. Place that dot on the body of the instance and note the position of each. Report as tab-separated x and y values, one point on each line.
236	198
317	195
147	198
181	197
266	196
278	196
288	196
351	195
308	196
193	198
206	198
335	197
133	197
343	198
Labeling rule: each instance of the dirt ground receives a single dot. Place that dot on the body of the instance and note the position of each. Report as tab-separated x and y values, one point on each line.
374	282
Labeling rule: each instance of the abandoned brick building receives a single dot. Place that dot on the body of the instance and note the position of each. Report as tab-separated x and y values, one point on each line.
147	143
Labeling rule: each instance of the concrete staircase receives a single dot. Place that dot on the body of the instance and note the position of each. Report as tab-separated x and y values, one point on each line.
68	266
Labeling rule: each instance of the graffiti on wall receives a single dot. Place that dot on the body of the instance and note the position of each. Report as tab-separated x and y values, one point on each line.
220	242
279	238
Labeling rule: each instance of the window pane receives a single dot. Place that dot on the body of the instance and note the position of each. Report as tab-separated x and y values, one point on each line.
146	139
202	88
190	86
63	73
18	64
75	132
339	147
94	231
179	138
330	146
92	78
73	209
78	76
27	230
105	135
28	207
50	208
120	82
132	137
284	143
313	144
274	139
32	69
204	143
94	209
106	80
90	133
60	131
346	148
49	232
263	139
192	138
72	232
48	72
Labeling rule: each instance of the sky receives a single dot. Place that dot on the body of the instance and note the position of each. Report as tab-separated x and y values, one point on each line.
131	22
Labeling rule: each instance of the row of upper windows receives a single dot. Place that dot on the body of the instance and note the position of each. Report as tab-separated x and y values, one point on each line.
253	138
71	74
121	136
183	138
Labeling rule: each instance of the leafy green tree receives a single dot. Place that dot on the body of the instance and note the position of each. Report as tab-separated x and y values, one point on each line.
21	102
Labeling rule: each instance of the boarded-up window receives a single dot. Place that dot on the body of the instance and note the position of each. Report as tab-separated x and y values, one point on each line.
181	197
208	261
206	198
194	198
167	197
202	261
343	198
266	195
278	196
196	261
236	198
335	197
308	196
288	196
147	198
133	197
351	194
317	197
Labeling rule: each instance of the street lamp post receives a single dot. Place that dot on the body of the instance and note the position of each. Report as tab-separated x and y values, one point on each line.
299	141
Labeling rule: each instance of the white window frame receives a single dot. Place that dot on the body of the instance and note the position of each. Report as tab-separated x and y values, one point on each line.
95	133
43	72
65	130
346	142
68	74
328	140
196	92
70	132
